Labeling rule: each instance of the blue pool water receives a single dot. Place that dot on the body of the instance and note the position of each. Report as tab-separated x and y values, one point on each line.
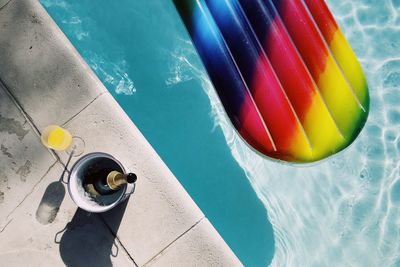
344	211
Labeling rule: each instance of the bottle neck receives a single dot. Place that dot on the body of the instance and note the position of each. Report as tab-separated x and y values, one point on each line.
116	179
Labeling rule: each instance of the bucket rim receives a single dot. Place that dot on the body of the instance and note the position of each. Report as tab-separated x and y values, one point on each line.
72	172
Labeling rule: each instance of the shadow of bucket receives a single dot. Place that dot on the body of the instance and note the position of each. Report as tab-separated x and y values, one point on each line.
81	169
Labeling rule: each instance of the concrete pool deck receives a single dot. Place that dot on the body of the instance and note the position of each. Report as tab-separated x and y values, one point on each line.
43	81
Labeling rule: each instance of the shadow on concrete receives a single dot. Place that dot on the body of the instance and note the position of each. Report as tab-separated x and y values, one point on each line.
52	198
87	240
50	203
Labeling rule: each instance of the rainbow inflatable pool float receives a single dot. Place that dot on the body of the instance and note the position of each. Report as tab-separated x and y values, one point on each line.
284	72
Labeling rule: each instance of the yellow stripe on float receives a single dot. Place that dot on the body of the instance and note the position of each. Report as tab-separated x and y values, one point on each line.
339	98
300	147
321	129
350	66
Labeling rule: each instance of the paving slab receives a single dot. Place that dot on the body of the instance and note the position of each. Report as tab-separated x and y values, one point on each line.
23	159
200	246
4	2
160	210
74	238
58	83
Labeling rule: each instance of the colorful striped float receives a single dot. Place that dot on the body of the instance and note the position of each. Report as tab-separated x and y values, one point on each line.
285	74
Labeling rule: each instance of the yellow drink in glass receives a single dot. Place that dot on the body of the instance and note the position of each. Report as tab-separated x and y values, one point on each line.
56	138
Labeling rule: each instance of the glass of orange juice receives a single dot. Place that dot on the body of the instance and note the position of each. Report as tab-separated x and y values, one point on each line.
60	139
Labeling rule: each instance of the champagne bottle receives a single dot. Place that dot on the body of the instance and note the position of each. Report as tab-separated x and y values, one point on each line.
111	183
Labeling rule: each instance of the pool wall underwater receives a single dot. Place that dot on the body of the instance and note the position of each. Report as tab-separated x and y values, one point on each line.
343	211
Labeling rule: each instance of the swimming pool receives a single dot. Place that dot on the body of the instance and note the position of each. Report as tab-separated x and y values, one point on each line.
343	211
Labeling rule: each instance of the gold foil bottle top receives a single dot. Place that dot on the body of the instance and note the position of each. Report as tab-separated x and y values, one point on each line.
116	179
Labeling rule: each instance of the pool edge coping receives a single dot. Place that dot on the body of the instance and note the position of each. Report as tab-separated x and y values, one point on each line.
60	41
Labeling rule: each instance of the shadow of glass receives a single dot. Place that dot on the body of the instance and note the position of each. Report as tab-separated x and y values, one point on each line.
87	240
52	199
50	203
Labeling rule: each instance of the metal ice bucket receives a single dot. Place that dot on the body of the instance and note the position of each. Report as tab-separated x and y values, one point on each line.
77	175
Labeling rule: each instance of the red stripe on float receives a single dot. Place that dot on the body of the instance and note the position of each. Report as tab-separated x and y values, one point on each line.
292	73
323	17
252	128
273	105
305	35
